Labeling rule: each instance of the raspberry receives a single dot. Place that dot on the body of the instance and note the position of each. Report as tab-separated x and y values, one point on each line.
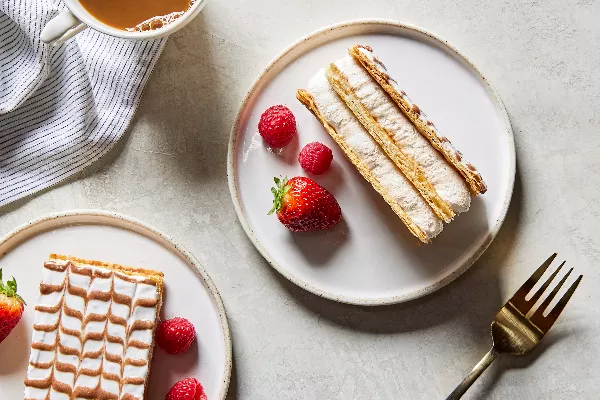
277	126
175	335
186	389
315	158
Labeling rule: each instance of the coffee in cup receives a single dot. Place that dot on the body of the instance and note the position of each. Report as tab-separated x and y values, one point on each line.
127	19
136	15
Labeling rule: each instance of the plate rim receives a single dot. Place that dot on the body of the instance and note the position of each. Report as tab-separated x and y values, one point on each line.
121	221
370	301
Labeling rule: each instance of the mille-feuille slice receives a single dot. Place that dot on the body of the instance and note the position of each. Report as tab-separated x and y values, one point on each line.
438	182
366	56
370	160
93	333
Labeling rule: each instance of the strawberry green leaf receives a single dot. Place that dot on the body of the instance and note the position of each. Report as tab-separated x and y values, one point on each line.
278	193
10	288
12	285
20	299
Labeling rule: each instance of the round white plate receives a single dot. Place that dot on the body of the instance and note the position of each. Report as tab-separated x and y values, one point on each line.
95	235
371	258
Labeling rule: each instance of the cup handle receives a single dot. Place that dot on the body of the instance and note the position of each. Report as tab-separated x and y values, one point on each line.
62	28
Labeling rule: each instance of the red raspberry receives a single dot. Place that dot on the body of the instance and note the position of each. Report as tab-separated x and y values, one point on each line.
277	126
175	335
315	158
186	389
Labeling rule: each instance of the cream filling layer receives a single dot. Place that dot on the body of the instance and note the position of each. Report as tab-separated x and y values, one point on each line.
448	147
447	182
364	146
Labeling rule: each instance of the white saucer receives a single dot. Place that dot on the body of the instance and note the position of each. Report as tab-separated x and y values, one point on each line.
371	258
189	293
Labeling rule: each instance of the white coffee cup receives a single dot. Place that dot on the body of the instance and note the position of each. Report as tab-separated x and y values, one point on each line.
76	19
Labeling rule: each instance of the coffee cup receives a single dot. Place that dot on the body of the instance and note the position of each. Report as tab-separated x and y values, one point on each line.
76	19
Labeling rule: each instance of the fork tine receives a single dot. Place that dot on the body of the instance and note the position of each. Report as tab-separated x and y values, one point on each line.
518	300
560	306
553	294
543	288
545	323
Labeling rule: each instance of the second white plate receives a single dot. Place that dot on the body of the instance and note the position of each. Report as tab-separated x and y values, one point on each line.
189	292
370	258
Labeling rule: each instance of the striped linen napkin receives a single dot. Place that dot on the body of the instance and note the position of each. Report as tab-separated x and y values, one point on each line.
64	107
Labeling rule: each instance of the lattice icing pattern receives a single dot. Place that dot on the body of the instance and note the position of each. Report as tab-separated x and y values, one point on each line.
93	333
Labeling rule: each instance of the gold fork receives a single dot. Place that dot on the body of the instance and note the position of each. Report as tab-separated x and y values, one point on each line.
515	330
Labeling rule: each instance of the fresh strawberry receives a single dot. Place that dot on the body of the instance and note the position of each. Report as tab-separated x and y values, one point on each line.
315	158
175	335
277	126
11	307
303	205
186	389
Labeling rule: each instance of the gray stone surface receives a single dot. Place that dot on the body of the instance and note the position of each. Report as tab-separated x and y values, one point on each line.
169	170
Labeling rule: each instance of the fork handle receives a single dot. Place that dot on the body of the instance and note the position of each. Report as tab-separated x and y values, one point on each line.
473	375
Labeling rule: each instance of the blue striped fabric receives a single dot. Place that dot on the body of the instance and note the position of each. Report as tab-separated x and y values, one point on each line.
64	107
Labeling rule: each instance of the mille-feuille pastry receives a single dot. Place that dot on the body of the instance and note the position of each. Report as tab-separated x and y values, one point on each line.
437	181
369	158
366	56
93	334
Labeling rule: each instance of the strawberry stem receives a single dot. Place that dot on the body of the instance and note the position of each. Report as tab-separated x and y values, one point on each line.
10	288
279	191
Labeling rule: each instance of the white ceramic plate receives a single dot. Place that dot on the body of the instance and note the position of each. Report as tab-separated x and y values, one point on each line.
95	235
371	258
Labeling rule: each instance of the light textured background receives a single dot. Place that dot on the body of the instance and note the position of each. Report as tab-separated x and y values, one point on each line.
542	56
